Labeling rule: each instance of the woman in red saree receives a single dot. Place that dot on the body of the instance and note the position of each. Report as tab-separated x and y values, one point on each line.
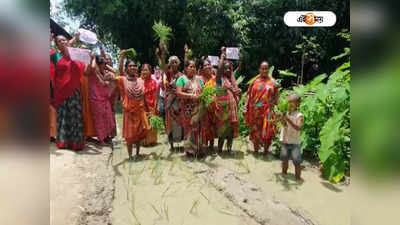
150	93
224	107
260	99
67	97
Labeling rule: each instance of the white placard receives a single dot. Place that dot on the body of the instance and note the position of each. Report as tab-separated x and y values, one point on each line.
87	36
232	53
213	59
79	54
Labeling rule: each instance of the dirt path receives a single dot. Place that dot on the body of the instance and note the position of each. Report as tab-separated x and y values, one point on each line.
81	186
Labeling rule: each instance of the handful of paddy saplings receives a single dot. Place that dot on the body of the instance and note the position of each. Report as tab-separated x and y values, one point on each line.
207	96
156	122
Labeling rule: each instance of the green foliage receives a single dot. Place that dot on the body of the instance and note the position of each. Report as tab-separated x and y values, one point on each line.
244	130
345	53
239	80
162	32
131	53
287	73
327	122
283	104
206	25
207	96
189	54
156	122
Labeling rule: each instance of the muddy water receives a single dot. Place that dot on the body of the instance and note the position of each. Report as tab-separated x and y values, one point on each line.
161	187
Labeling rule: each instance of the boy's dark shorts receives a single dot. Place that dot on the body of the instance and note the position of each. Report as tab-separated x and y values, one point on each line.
293	150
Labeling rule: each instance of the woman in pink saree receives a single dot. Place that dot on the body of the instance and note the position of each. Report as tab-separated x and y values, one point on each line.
99	94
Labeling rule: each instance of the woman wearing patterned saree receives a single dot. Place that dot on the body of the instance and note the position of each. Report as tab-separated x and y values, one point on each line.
67	97
188	89
173	116
150	90
225	105
135	109
260	98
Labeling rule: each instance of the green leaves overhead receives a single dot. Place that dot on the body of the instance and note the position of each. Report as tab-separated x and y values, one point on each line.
162	32
131	53
206	25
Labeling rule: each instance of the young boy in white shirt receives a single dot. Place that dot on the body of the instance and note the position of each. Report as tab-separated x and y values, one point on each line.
290	136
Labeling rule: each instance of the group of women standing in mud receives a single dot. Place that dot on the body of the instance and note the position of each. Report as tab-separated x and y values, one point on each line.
187	119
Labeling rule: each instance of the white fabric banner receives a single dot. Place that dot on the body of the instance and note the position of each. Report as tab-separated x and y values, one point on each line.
87	36
232	53
79	54
213	59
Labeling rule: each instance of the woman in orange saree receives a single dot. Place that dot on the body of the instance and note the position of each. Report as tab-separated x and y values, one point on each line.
135	108
260	99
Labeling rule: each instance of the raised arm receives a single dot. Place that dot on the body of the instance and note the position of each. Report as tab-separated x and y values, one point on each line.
110	76
92	65
162	57
121	62
74	39
239	65
110	68
220	71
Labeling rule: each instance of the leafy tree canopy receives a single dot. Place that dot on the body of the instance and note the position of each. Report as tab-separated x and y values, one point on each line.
256	26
